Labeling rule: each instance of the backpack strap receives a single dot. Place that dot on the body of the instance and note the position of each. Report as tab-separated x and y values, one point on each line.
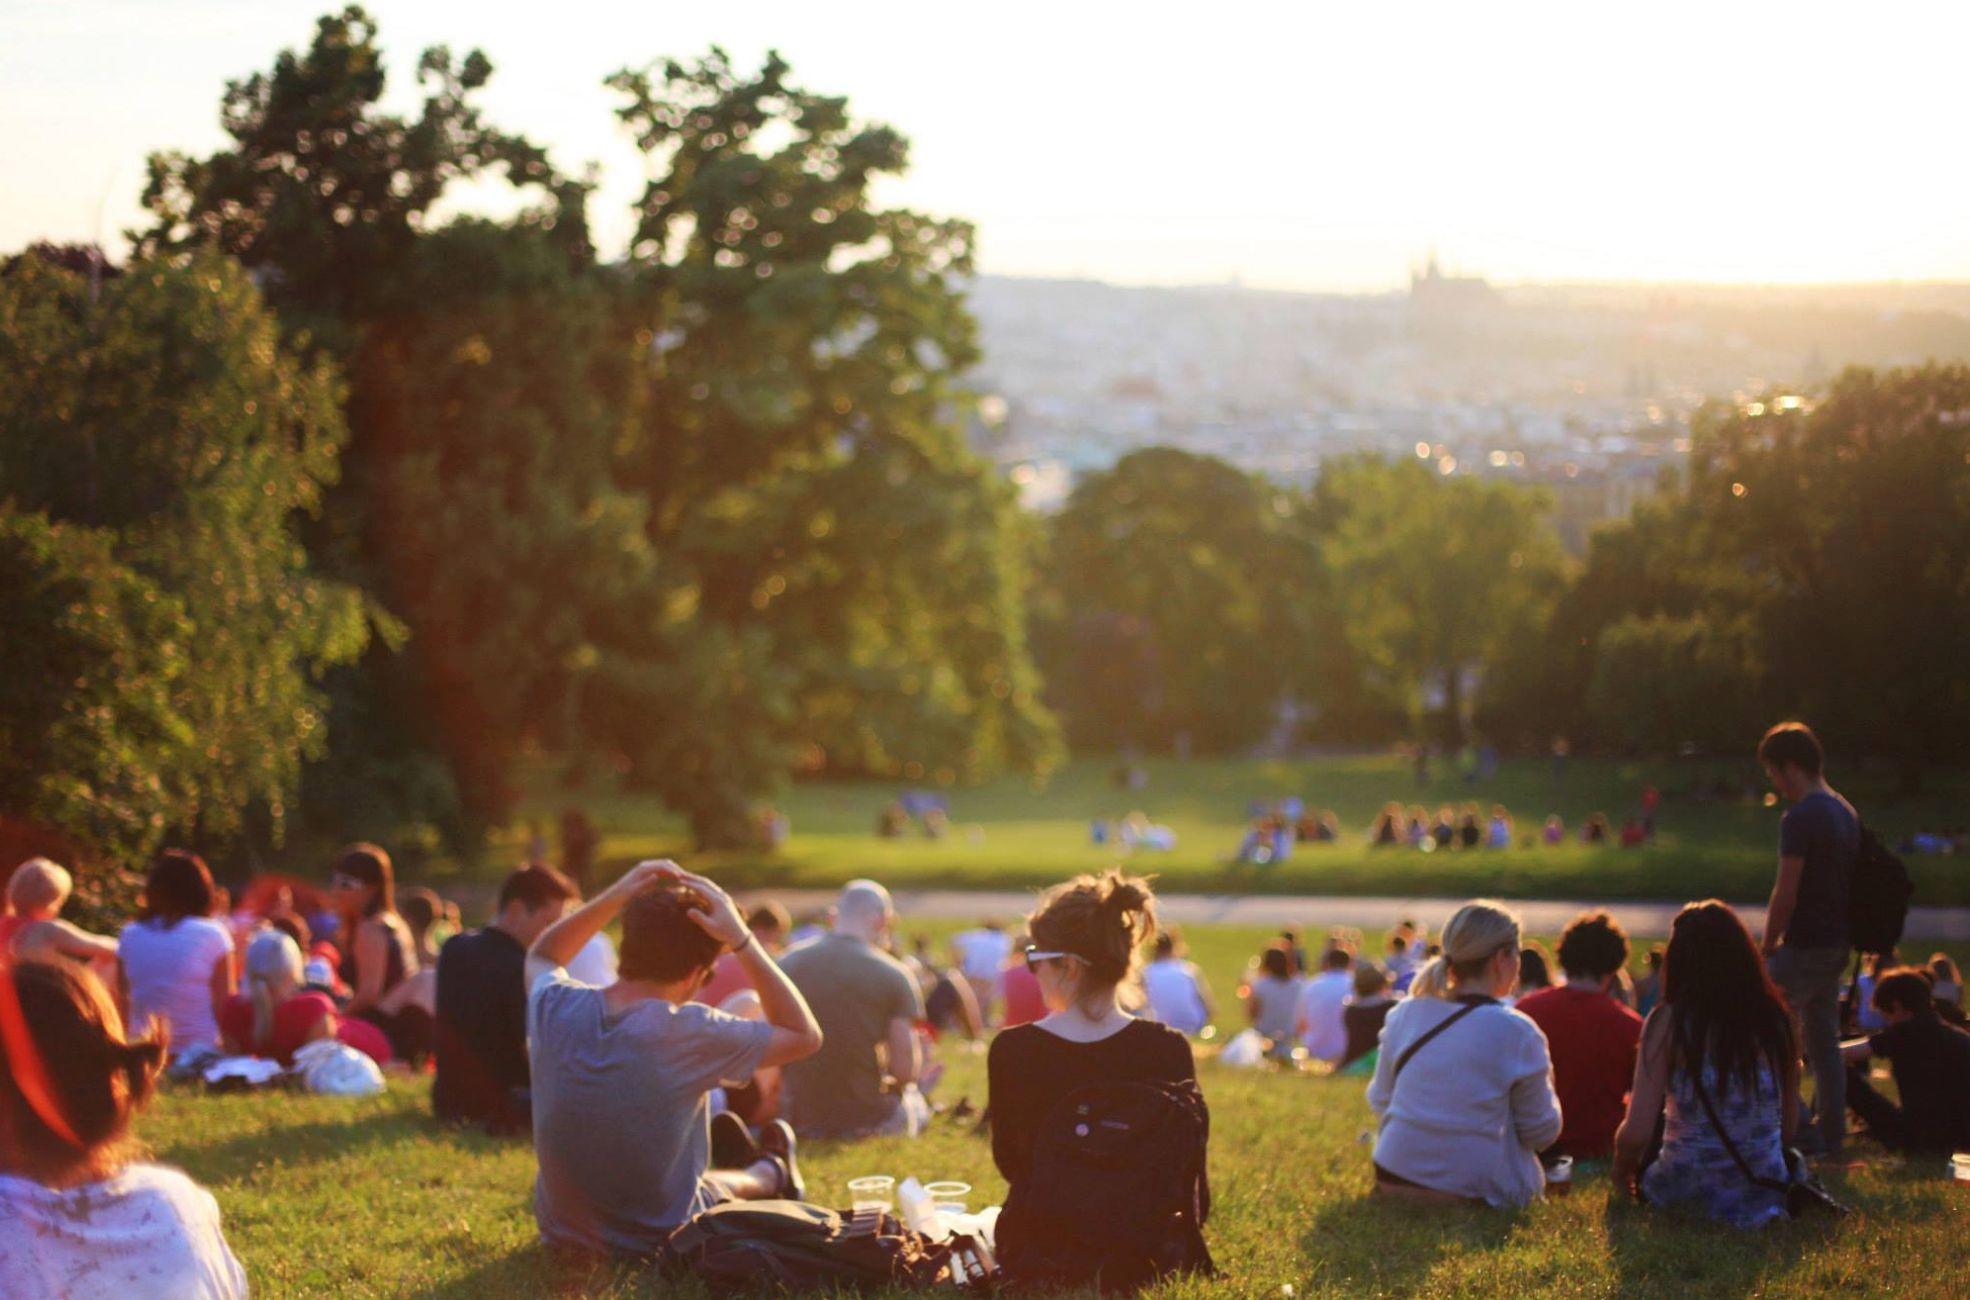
1470	1004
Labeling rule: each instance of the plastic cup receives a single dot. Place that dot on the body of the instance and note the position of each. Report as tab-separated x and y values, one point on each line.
1959	1171
872	1195
949	1198
1559	1177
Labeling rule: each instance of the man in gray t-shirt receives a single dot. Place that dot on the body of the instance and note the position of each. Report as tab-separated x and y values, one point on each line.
868	1006
622	1125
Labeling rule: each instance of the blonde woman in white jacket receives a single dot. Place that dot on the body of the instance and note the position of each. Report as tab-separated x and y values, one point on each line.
1463	1086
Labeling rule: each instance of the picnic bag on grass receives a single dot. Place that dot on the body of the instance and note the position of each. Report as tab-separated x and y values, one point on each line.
1116	1197
794	1246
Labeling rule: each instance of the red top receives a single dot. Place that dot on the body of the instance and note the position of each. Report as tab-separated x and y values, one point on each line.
1593	1040
294	1020
1024	1001
728	976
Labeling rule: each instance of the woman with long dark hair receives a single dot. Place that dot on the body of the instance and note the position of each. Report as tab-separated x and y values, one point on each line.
1719	1070
378	951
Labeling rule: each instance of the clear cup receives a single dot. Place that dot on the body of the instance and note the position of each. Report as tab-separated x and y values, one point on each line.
949	1198
872	1195
1559	1177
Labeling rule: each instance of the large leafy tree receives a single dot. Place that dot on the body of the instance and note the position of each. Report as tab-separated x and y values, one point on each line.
1178	603
848	567
1847	521
486	385
165	631
1436	577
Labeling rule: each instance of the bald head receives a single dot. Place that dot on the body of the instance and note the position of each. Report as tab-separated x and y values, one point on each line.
864	910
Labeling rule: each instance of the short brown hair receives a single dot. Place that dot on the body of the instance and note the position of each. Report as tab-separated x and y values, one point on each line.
1104	920
1792	743
99	1077
1594	945
1905	989
660	941
536	885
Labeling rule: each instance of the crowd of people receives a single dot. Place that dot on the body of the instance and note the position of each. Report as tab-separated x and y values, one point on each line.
682	1068
1274	831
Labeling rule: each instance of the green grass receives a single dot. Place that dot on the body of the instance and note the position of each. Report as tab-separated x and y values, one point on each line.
332	1197
1011	834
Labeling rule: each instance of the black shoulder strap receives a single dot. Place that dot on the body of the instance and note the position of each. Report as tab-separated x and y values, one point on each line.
1723	1135
1470	1005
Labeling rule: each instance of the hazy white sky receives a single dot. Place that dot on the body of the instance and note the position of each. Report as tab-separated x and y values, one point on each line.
1297	145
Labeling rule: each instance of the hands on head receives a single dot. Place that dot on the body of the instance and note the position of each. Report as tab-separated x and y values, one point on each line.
716	914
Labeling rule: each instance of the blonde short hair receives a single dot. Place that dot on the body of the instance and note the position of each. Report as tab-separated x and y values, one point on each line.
38	883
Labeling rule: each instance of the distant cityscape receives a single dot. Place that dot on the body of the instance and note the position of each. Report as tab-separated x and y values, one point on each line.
1585	389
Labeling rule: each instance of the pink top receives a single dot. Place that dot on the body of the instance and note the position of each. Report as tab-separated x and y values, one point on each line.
1024	1003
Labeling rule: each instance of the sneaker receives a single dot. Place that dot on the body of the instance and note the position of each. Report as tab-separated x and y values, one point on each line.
776	1140
732	1146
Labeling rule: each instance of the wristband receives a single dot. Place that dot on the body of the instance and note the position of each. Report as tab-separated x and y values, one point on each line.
750	938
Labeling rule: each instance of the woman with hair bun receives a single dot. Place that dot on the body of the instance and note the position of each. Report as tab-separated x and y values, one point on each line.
1087	937
1463	1087
79	1219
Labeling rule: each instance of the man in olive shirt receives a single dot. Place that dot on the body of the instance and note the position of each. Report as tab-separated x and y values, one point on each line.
868	1006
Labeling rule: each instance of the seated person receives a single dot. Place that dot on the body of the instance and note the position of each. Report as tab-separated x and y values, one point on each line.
622	1124
79	1218
769	924
1272	999
272	1016
867	1005
1592	1036
175	959
1177	993
378	954
948	1005
481	1031
32	927
1086	935
1366	1012
1463	1086
1718	1070
1017	990
1931	1062
1319	1019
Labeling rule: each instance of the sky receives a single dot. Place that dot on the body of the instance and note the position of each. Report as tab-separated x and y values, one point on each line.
1307	146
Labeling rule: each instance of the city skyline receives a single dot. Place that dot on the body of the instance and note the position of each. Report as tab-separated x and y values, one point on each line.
1283	148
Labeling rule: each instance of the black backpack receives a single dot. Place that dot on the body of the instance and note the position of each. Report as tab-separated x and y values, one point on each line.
1877	905
1116	1197
793	1246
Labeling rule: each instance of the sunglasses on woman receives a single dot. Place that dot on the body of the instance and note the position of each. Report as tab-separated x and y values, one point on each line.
1034	956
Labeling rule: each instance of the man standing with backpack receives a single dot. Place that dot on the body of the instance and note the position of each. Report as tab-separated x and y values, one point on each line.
1807	931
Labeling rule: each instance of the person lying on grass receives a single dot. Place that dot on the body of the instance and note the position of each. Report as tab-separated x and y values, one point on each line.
622	1125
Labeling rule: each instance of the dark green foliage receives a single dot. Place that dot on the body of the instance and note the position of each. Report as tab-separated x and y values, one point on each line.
840	563
165	632
1176	604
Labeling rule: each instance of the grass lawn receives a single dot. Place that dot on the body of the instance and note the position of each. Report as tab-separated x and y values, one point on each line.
332	1197
1009	834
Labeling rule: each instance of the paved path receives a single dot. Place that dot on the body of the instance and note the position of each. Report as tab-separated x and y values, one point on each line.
1542	916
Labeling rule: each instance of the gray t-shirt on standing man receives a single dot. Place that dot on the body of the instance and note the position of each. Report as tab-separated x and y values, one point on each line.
622	1128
